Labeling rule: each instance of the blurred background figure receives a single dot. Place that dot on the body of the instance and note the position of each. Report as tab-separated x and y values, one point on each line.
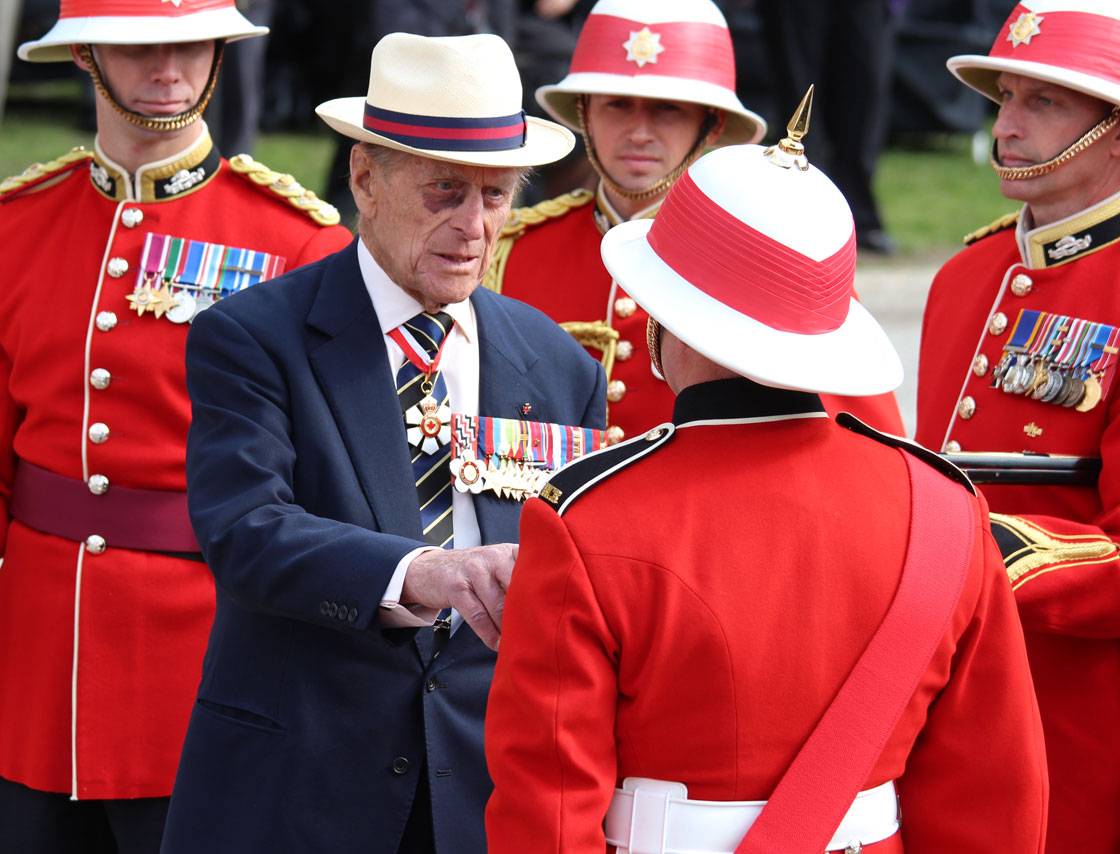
235	109
846	50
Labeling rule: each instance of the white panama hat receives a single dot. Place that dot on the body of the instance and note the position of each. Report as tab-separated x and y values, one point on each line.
138	22
1073	43
455	98
671	50
752	264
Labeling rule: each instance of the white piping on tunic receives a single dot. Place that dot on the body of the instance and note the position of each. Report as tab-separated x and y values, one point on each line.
85	477
74	680
761	419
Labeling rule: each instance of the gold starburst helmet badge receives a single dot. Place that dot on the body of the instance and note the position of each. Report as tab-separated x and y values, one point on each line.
789	152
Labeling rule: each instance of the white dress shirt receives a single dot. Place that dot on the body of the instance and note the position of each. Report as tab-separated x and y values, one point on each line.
459	368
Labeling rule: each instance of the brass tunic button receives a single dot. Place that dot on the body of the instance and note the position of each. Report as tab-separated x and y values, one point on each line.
952	447
966	408
98	433
117	267
1021	285
98	484
998	324
106	320
615	434
616	390
132	217
100	378
625	307
980	365
95	544
624	351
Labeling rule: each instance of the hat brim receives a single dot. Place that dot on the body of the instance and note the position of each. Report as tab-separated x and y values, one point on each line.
981	73
856	359
545	141
227	24
559	100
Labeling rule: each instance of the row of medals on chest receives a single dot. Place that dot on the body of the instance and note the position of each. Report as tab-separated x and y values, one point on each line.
1042	379
428	428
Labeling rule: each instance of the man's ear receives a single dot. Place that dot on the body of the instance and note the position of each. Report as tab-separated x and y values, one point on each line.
364	182
717	126
77	52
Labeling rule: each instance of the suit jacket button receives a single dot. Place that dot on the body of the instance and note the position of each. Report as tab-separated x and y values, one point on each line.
332	609
430	685
400	765
343	611
324	607
353	615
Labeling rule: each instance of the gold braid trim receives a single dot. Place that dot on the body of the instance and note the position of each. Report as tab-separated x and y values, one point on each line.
286	187
1005	221
1041	548
521	219
37	171
597	335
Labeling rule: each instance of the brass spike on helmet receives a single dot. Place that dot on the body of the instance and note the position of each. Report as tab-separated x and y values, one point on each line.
790	152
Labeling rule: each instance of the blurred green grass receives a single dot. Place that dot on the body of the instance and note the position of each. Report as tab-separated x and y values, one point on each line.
931	191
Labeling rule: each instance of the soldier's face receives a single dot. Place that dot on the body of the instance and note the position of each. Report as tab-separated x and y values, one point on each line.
156	80
1036	122
431	225
641	140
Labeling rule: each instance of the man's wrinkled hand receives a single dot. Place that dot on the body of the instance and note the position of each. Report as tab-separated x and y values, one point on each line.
472	581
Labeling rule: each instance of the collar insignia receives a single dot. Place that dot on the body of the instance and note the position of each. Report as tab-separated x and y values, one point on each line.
1069	246
1024	29
643	46
100	176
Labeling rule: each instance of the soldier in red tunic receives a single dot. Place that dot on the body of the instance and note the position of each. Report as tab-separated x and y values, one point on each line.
105	605
687	605
651	85
1019	354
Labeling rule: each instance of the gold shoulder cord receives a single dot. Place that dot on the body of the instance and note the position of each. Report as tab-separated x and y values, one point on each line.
287	187
36	171
1005	221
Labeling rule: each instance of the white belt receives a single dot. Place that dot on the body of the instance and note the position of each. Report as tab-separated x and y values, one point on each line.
656	817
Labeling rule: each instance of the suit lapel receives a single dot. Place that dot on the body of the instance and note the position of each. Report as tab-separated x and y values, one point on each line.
353	372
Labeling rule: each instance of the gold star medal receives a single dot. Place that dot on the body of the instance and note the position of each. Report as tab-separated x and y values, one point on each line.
643	46
1024	29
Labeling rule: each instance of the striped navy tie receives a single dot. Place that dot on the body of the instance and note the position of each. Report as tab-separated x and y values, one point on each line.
432	471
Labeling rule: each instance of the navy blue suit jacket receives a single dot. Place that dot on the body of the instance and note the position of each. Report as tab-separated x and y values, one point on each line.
313	721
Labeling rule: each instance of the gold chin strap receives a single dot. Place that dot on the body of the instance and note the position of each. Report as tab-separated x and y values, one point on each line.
156	123
658	187
653	343
1022	173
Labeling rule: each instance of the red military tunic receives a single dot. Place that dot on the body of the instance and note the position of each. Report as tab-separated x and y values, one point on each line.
1067	584
689	620
101	653
548	256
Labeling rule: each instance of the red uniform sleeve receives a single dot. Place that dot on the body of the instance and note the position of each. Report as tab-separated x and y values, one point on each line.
976	777
1066	574
550	719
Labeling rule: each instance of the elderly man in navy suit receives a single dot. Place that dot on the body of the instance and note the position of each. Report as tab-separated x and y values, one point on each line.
332	715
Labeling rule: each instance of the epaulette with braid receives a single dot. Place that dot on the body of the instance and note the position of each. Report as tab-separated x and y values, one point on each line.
1006	221
37	175
286	187
521	219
